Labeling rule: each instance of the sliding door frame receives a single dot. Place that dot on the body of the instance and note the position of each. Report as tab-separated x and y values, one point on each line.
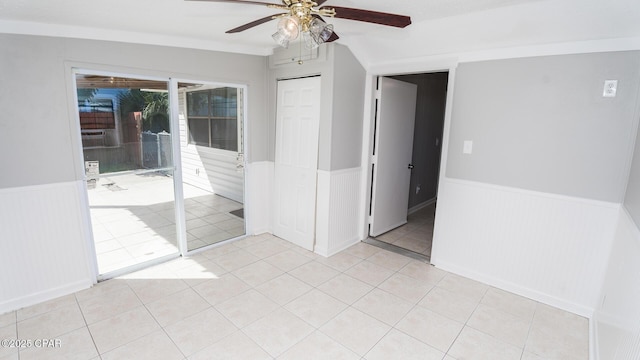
93	257
176	168
175	122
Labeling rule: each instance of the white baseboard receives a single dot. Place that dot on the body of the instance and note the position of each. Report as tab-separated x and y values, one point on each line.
517	289
421	205
342	246
539	245
593	337
36	298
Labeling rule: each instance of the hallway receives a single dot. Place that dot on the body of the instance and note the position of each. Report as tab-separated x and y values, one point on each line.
417	234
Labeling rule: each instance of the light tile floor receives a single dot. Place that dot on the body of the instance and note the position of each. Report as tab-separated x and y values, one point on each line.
416	235
264	298
133	219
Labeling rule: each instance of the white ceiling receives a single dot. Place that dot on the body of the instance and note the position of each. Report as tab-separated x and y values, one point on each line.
439	26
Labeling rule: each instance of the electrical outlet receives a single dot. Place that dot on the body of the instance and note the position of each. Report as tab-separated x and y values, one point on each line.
610	88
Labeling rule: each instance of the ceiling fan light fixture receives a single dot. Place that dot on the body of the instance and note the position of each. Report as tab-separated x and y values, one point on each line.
320	31
300	16
281	39
290	27
309	42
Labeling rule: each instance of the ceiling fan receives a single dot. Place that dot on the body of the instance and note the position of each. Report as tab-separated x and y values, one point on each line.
305	17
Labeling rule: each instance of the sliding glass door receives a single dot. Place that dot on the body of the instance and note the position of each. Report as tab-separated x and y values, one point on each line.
211	119
127	149
164	168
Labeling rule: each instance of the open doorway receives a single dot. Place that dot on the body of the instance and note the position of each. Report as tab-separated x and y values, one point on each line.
416	234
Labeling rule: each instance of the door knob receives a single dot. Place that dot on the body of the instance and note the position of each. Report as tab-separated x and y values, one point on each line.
410	166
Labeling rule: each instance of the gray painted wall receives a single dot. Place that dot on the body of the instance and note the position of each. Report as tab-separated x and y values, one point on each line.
427	138
37	120
632	198
542	124
348	107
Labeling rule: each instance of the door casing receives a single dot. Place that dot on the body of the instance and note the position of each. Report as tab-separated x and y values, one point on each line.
393	151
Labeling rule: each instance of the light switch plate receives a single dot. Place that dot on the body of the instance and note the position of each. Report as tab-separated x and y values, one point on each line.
468	147
610	88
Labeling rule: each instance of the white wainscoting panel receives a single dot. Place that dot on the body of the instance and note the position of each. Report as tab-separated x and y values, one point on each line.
547	247
259	197
43	244
337	210
617	317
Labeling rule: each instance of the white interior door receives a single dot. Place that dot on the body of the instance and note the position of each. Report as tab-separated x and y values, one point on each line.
296	162
394	146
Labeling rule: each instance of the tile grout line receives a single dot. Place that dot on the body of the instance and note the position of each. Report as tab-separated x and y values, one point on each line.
86	324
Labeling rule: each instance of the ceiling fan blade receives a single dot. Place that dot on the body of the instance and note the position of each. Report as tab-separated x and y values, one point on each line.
320	2
375	17
238	2
254	23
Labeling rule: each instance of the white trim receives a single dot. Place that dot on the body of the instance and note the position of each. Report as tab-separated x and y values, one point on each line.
567	48
444	153
82	70
323	207
194	252
443	64
178	186
422	205
247	199
417	64
367	160
76	139
539	296
89	33
42	296
333	251
133	37
87	231
247	202
137	266
502	188
593	337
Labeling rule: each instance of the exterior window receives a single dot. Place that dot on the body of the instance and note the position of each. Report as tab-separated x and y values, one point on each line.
213	118
98	114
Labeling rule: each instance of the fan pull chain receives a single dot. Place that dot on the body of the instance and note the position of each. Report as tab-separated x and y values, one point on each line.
300	62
